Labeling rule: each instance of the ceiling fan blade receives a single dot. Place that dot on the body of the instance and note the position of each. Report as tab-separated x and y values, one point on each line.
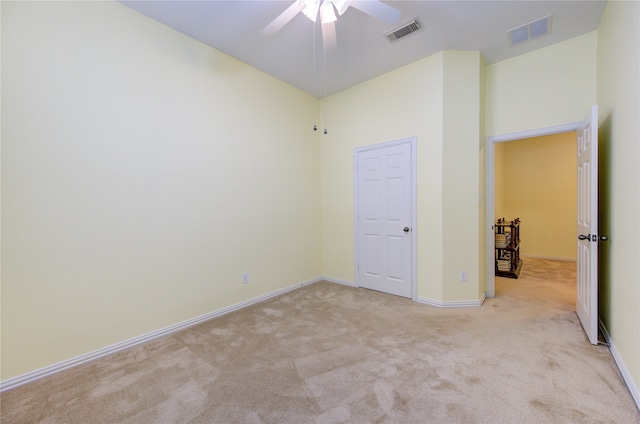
378	10
283	19
329	35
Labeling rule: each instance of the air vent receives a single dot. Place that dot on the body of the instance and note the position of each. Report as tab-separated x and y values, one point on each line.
530	31
406	29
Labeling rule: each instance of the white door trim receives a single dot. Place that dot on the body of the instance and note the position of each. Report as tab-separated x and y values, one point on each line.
490	290
412	141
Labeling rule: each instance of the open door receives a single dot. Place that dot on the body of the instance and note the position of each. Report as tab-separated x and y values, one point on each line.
587	225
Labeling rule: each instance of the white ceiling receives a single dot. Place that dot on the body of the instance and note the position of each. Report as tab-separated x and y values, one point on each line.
363	52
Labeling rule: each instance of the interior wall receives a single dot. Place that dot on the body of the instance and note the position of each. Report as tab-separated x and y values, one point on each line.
619	137
368	114
535	180
552	86
142	174
499	179
437	100
462	137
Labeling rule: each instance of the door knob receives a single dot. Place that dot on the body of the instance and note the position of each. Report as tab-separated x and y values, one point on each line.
406	229
593	237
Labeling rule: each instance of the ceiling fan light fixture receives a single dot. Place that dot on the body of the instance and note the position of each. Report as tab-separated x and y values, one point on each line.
327	10
327	13
310	9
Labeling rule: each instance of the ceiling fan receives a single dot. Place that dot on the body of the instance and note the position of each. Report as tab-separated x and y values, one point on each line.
326	9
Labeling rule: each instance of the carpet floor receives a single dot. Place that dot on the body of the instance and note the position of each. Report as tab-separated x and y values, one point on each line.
328	353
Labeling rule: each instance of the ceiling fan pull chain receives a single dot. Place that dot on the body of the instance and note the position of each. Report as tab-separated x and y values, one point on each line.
324	101
315	79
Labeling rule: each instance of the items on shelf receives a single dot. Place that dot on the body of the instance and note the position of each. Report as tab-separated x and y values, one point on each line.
507	248
503	240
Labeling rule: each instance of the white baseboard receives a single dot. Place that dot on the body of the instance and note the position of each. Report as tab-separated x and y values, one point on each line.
624	371
451	303
339	281
438	303
52	369
552	258
61	366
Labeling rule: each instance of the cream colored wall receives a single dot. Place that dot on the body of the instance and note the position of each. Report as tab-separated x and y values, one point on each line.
498	179
436	99
404	103
552	86
619	109
142	174
461	172
537	182
482	183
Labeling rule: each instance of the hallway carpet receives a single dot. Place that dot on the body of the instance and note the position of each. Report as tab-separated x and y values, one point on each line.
328	353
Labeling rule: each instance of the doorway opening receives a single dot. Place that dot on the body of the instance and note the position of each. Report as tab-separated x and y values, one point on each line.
535	181
495	144
586	217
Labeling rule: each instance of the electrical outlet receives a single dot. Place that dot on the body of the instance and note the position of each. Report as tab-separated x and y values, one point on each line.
245	278
463	275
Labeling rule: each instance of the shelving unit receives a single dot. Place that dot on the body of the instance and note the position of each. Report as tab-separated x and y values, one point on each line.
508	262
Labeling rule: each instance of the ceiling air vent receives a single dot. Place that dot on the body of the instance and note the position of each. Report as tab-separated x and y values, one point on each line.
404	30
530	31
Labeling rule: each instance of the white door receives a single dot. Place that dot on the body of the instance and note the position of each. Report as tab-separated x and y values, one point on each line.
587	225
384	218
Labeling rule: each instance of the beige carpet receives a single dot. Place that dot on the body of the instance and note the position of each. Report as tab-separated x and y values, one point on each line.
328	353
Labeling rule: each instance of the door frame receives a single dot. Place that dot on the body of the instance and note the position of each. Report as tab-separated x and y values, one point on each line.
412	141
490	287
